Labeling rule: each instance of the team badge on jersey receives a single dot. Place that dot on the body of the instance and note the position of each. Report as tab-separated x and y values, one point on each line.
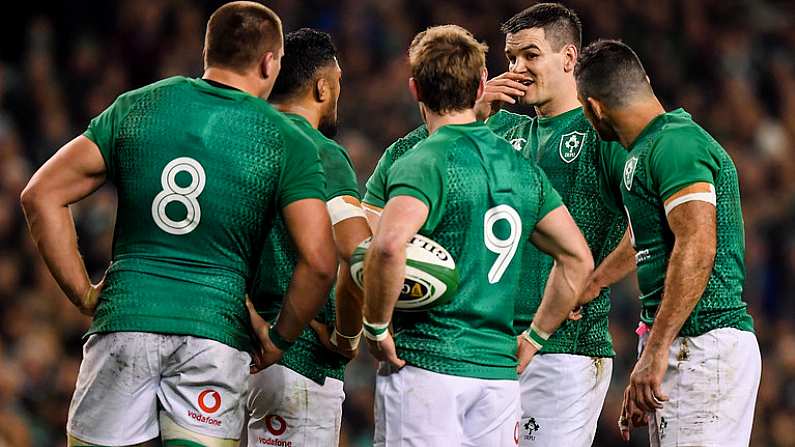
571	145
629	171
518	143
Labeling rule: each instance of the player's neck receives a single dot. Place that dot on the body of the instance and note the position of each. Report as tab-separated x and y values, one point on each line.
630	121
434	121
310	114
560	104
227	77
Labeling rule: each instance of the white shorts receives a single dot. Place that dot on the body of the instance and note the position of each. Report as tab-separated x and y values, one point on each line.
562	396
287	409
199	383
415	407
711	384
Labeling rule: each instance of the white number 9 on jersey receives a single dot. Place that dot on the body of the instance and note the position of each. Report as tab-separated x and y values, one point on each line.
185	195
505	248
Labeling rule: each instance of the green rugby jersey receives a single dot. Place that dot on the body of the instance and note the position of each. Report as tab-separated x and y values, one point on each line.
672	153
474	210
308	356
200	172
579	166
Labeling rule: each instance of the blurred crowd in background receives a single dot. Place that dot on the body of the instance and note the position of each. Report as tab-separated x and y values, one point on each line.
731	64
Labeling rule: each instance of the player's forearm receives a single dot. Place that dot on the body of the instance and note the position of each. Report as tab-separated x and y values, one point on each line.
616	266
686	279
306	295
349	300
384	271
53	230
563	291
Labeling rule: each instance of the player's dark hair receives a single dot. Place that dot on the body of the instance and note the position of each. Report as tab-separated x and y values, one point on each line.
561	25
609	71
239	33
306	51
446	64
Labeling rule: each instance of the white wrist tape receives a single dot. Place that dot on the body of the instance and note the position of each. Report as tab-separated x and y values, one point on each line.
339	210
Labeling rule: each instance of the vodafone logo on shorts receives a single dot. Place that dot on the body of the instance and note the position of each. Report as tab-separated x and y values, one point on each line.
276	424
209	401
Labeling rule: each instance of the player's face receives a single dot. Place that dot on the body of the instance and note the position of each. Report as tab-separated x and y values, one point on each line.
529	53
328	120
601	124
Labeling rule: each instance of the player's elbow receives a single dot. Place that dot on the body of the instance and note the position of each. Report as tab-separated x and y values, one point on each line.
31	197
386	248
323	266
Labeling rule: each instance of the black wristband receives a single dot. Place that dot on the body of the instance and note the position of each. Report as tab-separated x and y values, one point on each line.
279	341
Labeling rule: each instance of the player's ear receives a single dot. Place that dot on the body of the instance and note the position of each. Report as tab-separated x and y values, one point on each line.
267	65
569	58
484	75
322	90
415	90
596	106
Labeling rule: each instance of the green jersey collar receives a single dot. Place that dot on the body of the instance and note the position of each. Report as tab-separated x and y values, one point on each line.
657	122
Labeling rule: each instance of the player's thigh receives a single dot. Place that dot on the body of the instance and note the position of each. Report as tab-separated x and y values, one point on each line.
115	400
204	386
418	408
286	407
493	418
711	382
561	398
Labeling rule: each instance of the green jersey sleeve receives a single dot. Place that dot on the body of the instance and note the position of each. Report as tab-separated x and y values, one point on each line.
422	175
302	176
340	176
679	159
102	129
550	199
376	184
612	157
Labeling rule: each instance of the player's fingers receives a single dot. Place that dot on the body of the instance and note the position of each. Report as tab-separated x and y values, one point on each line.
659	396
498	96
647	397
506	89
511	75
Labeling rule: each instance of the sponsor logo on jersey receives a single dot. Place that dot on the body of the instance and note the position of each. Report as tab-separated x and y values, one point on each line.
531	427
209	401
571	145
518	143
276	424
629	171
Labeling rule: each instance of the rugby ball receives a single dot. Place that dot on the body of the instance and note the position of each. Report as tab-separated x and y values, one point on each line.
431	275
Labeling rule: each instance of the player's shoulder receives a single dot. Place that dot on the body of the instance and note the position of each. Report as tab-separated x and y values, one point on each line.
130	97
402	145
504	119
678	134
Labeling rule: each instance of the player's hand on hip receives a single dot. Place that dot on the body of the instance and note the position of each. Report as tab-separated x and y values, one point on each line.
503	88
90	299
645	382
384	350
525	351
347	347
265	353
631	417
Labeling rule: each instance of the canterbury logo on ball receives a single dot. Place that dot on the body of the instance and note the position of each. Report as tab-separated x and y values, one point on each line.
209	401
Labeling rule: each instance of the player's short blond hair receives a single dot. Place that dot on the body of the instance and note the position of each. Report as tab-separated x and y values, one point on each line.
239	33
447	63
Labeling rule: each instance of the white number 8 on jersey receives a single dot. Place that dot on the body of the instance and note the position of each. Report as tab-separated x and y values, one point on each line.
185	195
505	248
